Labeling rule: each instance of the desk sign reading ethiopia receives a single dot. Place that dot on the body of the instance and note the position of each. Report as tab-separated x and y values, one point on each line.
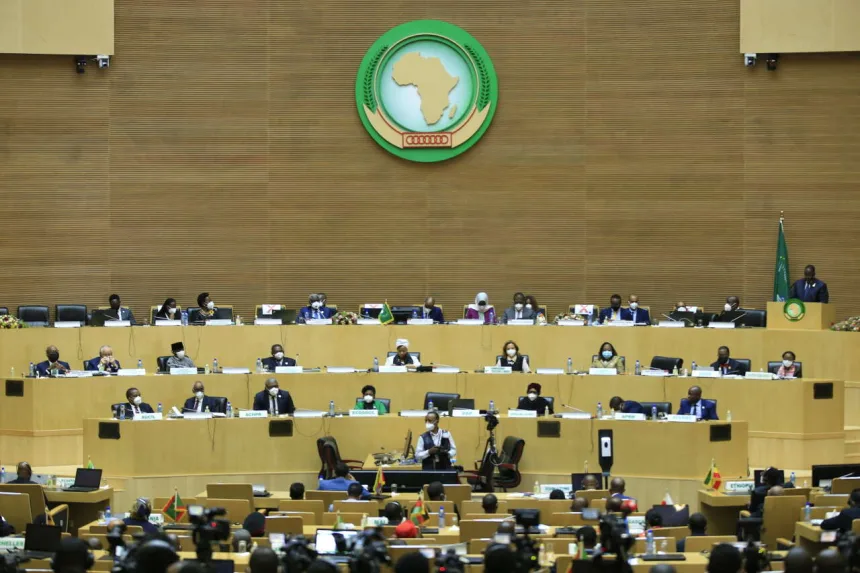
426	91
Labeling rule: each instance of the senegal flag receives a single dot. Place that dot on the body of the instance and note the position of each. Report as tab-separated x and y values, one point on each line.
174	508
385	316
380	481
419	512
713	479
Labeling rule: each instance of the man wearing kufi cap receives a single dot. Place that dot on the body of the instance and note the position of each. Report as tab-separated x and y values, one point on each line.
179	360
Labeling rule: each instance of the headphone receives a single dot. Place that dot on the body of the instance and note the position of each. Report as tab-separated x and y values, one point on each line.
56	564
141	509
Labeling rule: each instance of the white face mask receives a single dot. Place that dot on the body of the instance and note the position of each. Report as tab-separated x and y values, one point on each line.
787	363
279	355
727	307
607	354
532	396
171	311
518	306
368	398
634	305
511	351
315	304
528	305
180	354
429	426
210	305
137	400
682	309
273	391
199	394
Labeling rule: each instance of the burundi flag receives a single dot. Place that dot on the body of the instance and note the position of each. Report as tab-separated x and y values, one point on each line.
385	316
380	482
781	285
419	512
174	508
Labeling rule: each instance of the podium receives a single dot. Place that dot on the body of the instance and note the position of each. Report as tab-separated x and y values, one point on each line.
817	316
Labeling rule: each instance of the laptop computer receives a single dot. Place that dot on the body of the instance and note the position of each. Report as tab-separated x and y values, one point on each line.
41	541
86	480
326	544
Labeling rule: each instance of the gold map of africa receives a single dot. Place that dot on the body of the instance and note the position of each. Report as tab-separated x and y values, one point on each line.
432	80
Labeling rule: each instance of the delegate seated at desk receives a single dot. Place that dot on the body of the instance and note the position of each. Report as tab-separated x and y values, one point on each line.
635	314
431	311
481	309
728	365
207	309
368	401
694	405
139	516
619	404
435	447
43	369
25	475
200	402
135	403
843	522
341	481
179	360
788	368
613	312
518	310
274	400
104	362
167	311
277	359
511	358
770	486
119	312
608	358
534	401
402	357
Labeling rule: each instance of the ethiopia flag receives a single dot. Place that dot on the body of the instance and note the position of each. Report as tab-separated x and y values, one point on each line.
713	479
380	481
419	512
174	508
385	316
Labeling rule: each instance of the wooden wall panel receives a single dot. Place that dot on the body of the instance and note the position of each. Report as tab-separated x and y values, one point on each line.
631	152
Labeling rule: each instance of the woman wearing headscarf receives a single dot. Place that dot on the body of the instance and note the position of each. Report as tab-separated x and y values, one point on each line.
482	309
402	357
534	401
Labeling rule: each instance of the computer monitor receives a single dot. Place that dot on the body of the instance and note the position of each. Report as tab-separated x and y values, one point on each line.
688	318
403	313
828	472
43	537
461	404
326	541
85	477
407	445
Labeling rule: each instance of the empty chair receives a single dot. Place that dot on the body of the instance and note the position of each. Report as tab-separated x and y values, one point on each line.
509	472
314	506
440	400
326	497
4	310
662	408
697	544
667	363
290	525
34	315
243	491
237	509
330	456
71	313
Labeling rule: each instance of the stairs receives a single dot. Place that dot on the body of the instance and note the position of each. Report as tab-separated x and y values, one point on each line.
852	444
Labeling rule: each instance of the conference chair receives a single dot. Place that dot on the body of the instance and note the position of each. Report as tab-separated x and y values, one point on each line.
222	313
237	509
414	355
385	402
667	363
71	313
550	400
773	368
15	509
38	503
454	492
287	524
330	456
325	496
477	529
4	310
368	507
780	515
525	359
754	318
220	404
592	495
440	400
508	476
154	309
34	315
746	362
481	478
662	408
313	506
307	517
161	363
243	491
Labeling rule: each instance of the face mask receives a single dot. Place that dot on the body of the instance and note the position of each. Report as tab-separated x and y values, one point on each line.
511	351
532	396
727	307
171	311
273	391
634	305
181	354
429	426
53	357
279	355
528	305
518	306
368	398
787	363
137	400
682	309
199	394
210	305
315	304
607	354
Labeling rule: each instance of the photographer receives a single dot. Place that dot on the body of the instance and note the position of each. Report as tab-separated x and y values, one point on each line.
435	447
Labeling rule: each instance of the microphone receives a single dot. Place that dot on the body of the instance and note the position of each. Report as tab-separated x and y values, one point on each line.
677	320
297	358
444	365
739	316
574	409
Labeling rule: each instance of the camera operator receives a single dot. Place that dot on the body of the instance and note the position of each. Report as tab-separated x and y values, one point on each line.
264	560
73	556
724	558
414	563
435	447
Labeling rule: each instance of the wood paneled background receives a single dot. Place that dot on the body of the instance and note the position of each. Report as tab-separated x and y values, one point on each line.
631	152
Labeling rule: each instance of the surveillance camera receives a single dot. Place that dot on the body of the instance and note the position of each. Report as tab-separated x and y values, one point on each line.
771	60
749	60
80	64
103	61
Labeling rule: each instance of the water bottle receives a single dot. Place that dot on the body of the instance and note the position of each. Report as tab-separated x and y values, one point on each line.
653	412
441	517
599	411
331	508
331	408
229	409
32	370
259	366
430	405
215	365
2	475
792	478
536	489
160	409
675	370
807	513
492	407
649	542
728	416
569	365
184	318
107	514
139	364
638	370
206	369
122	411
694	365
590	319
415	315
375	364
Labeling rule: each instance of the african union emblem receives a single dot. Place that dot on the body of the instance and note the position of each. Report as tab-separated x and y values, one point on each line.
426	91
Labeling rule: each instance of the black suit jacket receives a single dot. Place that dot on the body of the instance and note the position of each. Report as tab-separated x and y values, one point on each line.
207	401
285	402
841	522
735	367
144	409
270	363
757	499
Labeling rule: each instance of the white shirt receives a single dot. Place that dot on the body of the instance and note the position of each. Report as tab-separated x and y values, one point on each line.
390	361
422	454
273	405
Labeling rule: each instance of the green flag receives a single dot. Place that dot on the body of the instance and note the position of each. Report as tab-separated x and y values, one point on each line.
385	317
780	271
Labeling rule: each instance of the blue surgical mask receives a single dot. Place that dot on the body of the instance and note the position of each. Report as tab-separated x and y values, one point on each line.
607	354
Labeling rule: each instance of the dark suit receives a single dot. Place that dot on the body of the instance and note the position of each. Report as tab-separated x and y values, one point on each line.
285	402
144	408
709	409
208	402
841	522
270	363
308	313
632	407
435	314
20	481
757	498
42	368
539	404
606	314
94	365
816	292
511	314
143	523
639	316
123	314
735	367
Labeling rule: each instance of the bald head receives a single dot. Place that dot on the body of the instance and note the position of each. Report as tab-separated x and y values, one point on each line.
776	490
589	482
617	485
579	503
830	561
798	560
613	504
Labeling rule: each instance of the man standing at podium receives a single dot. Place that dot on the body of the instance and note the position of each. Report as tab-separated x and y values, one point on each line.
435	447
809	288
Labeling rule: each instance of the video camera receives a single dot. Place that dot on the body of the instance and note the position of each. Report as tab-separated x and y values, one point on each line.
367	550
492	421
297	555
525	551
208	529
614	540
9	564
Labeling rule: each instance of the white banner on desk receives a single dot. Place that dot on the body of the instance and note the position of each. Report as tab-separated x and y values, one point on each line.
470	322
521	322
760	375
515	413
340	369
234	370
67	324
629	416
464	413
659	373
219	322
309	414
80	374
413	413
721	325
289	370
9	543
706	374
117	323
147	417
419	321
497	370
177	371
680	418
739	486
131	372
197	415
446	370
553	371
574	415
570	323
268	322
603	371
318	321
253	414
166	322
391	369
368	322
620	323
671	324
362	413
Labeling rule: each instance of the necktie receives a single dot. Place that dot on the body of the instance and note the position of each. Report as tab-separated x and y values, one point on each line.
425	313
136	410
271	405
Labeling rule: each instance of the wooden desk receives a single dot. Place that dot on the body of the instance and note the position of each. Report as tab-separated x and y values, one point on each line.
721	510
84	507
809	537
370	464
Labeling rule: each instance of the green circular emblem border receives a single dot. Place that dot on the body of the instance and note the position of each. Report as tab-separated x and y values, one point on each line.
790	304
487	85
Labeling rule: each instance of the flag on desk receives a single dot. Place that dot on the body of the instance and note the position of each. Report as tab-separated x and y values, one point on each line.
385	316
667	499
781	285
713	479
419	512
174	508
380	481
